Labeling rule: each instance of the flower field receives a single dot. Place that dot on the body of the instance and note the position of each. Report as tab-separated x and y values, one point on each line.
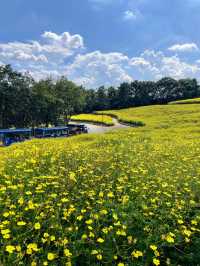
188	101
127	197
97	119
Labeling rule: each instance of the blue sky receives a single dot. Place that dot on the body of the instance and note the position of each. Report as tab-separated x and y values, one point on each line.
101	42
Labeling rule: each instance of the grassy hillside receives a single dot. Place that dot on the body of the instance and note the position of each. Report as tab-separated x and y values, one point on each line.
162	116
126	197
97	119
188	101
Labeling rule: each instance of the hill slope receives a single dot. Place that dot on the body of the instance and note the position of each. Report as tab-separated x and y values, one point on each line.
126	197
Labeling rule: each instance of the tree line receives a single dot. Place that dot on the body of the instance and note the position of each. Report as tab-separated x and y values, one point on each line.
25	102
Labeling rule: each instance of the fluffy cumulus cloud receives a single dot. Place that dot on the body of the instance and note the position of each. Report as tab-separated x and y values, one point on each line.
96	69
64	54
47	54
186	47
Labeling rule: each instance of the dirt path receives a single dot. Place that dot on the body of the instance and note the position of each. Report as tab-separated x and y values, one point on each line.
101	129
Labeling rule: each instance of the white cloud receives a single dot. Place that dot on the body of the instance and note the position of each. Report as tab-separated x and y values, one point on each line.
186	47
139	61
129	15
96	69
53	48
172	66
55	55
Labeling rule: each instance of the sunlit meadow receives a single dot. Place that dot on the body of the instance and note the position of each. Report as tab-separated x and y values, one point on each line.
97	119
127	197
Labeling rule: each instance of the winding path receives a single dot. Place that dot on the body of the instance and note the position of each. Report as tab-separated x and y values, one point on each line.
100	128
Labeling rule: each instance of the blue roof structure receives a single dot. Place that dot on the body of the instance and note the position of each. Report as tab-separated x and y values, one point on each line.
51	128
18	130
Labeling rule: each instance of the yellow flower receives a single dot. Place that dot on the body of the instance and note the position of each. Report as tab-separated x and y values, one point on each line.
18	248
67	252
121	233
21	201
110	194
65	241
5	231
156	261
31	247
84	236
103	212
136	254
153	247
194	222
156	253
94	252
169	239
51	256
33	263
37	226
101	194
72	176
120	264
21	223
10	249
52	238
130	239
100	240
99	257
187	232
46	235
180	221
89	221
79	218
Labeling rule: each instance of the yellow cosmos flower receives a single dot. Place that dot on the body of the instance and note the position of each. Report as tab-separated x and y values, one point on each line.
136	254
99	257
21	223
169	239
37	226
153	247
100	240
18	248
84	236
156	261
20	201
67	252
32	247
51	256
89	221
110	194
79	218
10	249
94	252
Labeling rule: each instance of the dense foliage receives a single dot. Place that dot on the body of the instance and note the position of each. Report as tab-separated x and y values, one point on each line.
26	102
128	197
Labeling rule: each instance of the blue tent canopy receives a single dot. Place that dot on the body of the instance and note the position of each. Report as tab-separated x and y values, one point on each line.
51	128
14	131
